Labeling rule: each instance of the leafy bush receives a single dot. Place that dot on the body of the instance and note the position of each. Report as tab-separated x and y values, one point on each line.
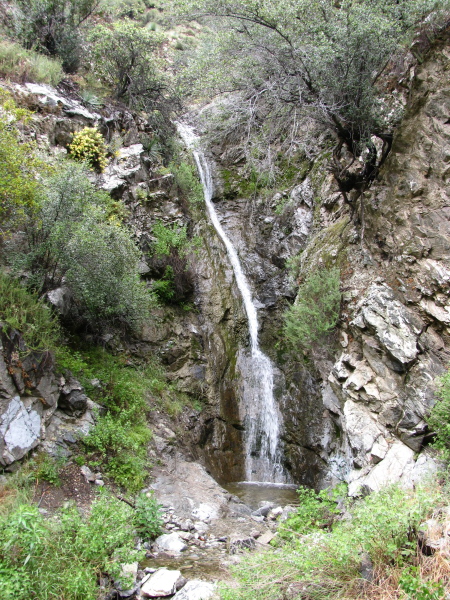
19	166
326	565
187	181
19	64
89	146
439	419
124	58
147	518
126	390
75	236
53	27
63	557
169	263
316	309
28	314
315	511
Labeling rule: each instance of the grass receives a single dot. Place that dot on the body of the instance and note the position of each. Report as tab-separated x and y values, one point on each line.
24	311
325	562
62	557
18	64
127	390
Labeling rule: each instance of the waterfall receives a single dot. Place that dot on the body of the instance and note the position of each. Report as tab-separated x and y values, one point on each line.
262	419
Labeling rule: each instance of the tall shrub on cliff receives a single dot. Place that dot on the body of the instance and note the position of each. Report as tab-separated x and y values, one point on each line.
125	57
320	58
74	239
53	27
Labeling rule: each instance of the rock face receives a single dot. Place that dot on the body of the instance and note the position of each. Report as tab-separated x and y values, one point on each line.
356	411
29	394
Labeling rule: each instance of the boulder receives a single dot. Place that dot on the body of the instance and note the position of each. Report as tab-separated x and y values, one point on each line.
170	542
72	399
196	589
20	431
163	582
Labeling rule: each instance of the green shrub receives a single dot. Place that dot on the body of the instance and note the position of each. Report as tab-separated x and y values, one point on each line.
186	178
316	309
169	264
53	27
19	168
89	146
63	557
439	419
74	235
28	314
127	391
315	511
147	518
22	65
327	565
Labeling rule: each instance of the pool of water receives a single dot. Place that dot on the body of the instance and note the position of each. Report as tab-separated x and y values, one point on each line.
253	493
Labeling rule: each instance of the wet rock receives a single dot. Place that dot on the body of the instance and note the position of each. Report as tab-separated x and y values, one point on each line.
163	582
170	542
196	589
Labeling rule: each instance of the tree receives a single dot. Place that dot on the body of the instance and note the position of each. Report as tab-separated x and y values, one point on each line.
124	57
74	240
53	27
19	185
321	58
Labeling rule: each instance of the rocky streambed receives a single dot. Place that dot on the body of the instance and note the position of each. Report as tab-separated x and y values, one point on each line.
206	530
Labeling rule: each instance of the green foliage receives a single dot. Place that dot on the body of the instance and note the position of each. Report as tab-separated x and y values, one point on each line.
53	27
62	558
315	511
187	181
89	146
127	391
327	564
124	58
75	235
417	589
316	309
439	419
28	314
147	517
19	166
173	279
47	469
298	60
19	64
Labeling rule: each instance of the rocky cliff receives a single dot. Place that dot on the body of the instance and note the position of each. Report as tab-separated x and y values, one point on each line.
353	411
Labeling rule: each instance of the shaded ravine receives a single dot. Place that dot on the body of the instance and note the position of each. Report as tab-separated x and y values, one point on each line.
261	416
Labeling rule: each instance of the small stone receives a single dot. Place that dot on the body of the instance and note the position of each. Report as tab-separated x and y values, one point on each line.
99	482
196	590
170	542
87	473
161	583
266	538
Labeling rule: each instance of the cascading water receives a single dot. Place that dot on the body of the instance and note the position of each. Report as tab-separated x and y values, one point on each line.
262	419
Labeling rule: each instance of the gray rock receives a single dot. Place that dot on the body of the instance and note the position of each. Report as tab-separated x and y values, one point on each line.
20	431
238	543
196	589
72	399
394	326
161	583
88	474
170	542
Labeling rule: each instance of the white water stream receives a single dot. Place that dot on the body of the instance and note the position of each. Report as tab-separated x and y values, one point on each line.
261	415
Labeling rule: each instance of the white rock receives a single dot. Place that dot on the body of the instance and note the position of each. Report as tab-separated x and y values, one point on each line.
20	431
196	590
205	512
170	542
162	583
